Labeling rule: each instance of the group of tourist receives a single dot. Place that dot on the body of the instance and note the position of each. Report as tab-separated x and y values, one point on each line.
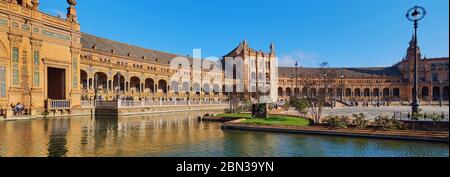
370	103
19	109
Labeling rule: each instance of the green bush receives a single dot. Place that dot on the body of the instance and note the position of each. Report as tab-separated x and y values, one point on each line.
300	105
337	122
360	121
386	123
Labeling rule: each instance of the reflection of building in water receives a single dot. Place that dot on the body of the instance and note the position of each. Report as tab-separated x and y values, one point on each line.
47	63
57	143
152	134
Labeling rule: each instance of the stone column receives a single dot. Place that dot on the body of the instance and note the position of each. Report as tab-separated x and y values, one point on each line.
37	97
75	75
15	90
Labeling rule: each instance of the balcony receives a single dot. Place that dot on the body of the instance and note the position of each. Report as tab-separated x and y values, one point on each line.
58	104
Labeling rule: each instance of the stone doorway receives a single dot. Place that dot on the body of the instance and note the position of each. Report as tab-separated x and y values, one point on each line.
56	83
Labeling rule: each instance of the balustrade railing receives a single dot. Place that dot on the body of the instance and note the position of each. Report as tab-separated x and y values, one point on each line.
58	104
87	104
144	103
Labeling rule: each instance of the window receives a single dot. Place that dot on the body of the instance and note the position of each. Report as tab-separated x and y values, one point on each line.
433	67
435	77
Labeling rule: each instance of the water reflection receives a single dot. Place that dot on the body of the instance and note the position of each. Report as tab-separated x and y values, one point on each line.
181	134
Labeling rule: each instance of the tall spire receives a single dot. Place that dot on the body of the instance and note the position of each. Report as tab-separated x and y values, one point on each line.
272	48
412	41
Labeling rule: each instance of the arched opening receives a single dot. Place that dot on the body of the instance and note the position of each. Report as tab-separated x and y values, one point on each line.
119	82
358	92
436	93
280	92
206	89
185	87
425	92
396	92
331	92
196	88
175	86
149	85
305	91
445	93
313	92
101	80
288	92
297	91
253	91
135	84
386	92
162	85
348	92
340	92
216	89
367	92
83	79
376	92
322	91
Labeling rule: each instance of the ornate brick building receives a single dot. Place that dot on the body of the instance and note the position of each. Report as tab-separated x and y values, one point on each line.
48	64
394	83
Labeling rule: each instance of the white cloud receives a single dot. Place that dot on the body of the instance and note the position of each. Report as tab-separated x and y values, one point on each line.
308	59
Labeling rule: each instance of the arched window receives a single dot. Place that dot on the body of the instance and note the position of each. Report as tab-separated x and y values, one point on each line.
396	92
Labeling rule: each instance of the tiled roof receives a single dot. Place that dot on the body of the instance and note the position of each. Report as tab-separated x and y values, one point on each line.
240	49
347	72
105	45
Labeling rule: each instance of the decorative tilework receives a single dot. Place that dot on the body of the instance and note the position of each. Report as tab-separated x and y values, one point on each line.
26	27
36	78
15	25
36	30
3	22
55	35
75	72
15	55
2	81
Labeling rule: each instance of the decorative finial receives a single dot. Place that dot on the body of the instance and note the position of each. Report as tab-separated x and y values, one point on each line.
35	4
72	2
245	41
71	11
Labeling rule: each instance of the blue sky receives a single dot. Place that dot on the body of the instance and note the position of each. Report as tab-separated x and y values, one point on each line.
351	33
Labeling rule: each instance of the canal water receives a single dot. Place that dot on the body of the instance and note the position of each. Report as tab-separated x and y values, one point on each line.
181	135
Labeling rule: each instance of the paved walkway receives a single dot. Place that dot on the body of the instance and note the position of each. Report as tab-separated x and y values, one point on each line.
374	112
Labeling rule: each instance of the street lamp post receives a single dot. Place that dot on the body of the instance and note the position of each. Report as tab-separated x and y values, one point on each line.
415	14
342	87
296	81
326	89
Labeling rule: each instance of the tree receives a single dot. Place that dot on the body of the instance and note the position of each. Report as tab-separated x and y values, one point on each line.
436	118
300	105
286	107
318	102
